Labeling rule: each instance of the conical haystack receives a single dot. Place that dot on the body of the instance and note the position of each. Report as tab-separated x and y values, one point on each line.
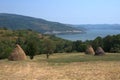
90	50
17	54
99	51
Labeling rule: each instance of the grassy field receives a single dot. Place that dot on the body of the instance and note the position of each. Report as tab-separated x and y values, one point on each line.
73	66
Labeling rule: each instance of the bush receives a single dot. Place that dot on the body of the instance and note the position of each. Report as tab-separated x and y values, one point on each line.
5	50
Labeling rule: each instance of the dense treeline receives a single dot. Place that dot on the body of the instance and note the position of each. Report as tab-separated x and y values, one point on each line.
34	43
109	43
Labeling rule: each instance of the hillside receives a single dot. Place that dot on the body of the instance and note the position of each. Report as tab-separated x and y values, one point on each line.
98	26
18	22
26	38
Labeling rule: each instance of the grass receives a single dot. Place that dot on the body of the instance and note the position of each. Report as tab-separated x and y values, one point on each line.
74	66
68	58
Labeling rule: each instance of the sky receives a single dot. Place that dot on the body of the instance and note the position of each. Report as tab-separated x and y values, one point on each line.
66	11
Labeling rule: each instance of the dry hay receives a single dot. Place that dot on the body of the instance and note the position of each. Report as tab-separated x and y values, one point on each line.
99	51
40	36
74	71
17	54
90	50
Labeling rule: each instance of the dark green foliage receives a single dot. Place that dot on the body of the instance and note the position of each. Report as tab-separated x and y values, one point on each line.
112	43
79	46
68	46
108	43
97	42
115	48
31	46
19	41
59	47
5	49
49	47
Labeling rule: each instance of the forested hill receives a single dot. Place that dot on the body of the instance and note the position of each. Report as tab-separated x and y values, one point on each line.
98	26
15	22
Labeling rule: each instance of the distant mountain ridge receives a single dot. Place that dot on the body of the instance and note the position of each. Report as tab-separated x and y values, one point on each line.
15	22
98	26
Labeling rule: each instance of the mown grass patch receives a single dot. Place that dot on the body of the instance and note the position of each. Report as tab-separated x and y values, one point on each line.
69	58
84	58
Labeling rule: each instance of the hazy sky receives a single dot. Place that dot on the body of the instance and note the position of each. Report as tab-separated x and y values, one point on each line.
66	11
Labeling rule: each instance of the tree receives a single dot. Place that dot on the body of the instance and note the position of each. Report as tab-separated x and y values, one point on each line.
49	47
59	46
19	41
107	43
115	44
68	46
6	48
97	42
115	48
32	46
79	46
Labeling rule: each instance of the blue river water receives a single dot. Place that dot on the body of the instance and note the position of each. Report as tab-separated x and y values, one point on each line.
89	35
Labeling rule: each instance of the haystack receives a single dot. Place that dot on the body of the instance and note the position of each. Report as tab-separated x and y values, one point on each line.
90	50
99	51
17	54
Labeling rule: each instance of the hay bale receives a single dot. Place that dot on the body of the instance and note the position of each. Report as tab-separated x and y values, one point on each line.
17	54
40	36
90	50
99	51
